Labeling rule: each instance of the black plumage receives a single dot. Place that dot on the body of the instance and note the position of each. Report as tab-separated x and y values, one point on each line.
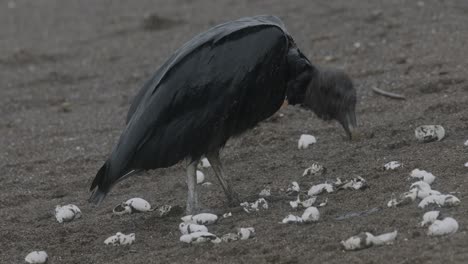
216	86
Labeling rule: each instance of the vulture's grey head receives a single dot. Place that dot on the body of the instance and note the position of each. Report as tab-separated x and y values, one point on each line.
329	93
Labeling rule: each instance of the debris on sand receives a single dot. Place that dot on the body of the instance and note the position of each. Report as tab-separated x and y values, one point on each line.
67	213
265	192
186	228
423	189
204	163
200	219
227	215
303	203
357	183
37	257
311	214
306	140
446	226
365	240
392	165
319	188
429	133
292	219
388	94
200	177
120	239
441	200
466	143
229	237
466	165
255	206
293	188
423	175
200	237
430	217
315	169
134	205
403	199
246	233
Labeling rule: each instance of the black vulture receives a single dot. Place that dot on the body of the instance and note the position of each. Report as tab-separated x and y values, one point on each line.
216	86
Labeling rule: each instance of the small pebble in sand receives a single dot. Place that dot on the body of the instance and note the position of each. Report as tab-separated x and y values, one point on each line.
446	226
37	257
305	141
120	239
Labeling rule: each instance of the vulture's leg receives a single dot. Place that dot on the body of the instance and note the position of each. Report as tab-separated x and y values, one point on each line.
232	197
192	196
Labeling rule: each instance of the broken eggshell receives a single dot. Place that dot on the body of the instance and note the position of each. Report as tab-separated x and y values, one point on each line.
199	237
354	184
430	217
305	141
429	133
200	219
311	214
423	175
293	188
440	200
314	169
319	188
392	165
120	239
246	233
200	177
229	237
265	192
403	199
186	228
204	163
292	219
36	257
365	240
255	206
134	205
67	213
446	226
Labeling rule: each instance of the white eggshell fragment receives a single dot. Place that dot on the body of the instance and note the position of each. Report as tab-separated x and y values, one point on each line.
37	257
311	214
200	177
199	237
67	213
138	205
443	227
122	209
292	219
120	239
466	143
423	175
305	204
429	133
246	233
207	184
430	217
403	199
293	188
186	228
392	165
440	200
365	240
200	219
255	206
319	188
164	210
204	163
230	237
383	239
354	184
227	215
305	141
265	192
314	169
466	165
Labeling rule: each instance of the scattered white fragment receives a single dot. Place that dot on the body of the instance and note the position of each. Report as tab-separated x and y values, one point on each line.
424	194
429	133
314	169
37	257
466	165
229	237
355	184
440	200
205	163
199	237
200	177
67	213
164	210
311	214
392	165
443	227
319	188
186	228
403	199
306	140
207	184
255	206
292	219
227	215
200	219
365	240
466	143
134	205
305	204
420	186
265	192
293	188
324	203
120	239
430	217
246	233
423	175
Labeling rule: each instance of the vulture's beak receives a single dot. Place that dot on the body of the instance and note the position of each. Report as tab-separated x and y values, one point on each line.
349	124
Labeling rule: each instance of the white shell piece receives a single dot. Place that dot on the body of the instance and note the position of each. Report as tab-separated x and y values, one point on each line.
424	194
246	233
122	209
314	169
292	219
466	165
120	239
138	205
382	239
466	143
421	186
319	188
200	219
443	227
403	199
205	163
67	213
255	206
429	133
354	184
227	215
200	177
186	228
355	242
309	202
293	188
423	175
365	240
305	141
430	217
295	204
440	200
311	214
199	237
230	237
37	257
265	192
324	203
164	210
392	165
207	184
